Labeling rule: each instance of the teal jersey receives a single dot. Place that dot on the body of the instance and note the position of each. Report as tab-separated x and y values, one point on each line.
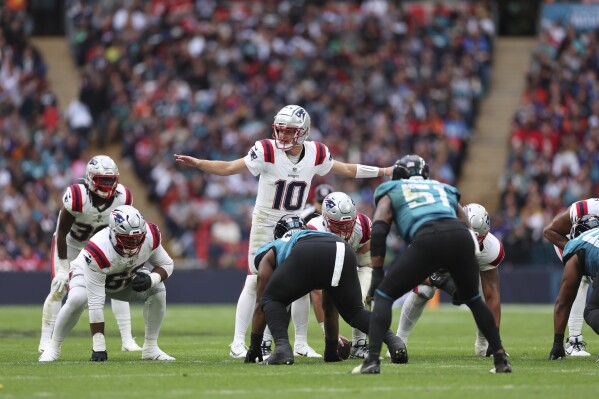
285	244
417	201
588	242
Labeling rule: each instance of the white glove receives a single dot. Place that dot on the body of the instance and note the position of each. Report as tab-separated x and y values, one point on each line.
61	279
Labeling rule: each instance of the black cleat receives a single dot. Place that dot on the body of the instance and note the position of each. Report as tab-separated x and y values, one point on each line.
368	368
397	350
501	364
283	354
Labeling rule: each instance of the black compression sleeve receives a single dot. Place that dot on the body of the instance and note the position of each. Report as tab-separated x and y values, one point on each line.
378	238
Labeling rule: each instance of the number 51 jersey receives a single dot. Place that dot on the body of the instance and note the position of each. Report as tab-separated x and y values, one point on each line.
283	186
77	200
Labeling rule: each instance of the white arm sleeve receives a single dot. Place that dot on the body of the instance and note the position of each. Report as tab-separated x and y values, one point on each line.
96	294
161	258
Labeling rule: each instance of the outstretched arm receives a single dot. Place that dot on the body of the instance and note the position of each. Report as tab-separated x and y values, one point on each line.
558	229
358	171
221	168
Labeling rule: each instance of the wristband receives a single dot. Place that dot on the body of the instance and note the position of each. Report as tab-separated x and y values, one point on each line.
156	278
64	264
99	342
363	171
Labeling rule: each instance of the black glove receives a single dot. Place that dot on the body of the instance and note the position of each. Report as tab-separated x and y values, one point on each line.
443	281
254	355
557	352
330	351
101	356
141	282
378	274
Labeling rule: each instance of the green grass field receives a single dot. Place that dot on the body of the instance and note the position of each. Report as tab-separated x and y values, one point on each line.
442	364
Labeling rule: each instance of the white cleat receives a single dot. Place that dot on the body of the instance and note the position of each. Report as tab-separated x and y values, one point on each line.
575	346
155	354
43	345
303	349
130	346
50	354
238	350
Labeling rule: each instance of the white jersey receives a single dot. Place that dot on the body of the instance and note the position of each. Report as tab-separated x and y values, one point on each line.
360	236
284	186
89	219
577	210
491	253
107	270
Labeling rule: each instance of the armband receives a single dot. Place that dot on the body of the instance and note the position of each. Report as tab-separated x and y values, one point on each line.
156	278
364	259
378	238
363	171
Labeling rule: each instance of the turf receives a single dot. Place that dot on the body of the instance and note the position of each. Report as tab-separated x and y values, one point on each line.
442	364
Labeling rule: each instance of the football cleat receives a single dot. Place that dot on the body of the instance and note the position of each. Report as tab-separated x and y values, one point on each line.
130	346
238	350
281	355
501	364
155	353
368	367
359	350
44	343
50	354
398	350
303	349
266	349
575	346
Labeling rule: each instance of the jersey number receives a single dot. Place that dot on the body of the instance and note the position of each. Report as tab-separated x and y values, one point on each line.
417	195
117	281
291	195
82	232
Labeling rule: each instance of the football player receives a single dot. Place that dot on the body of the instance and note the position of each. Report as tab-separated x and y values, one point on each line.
490	256
297	262
580	259
340	216
112	264
286	165
428	216
85	211
558	233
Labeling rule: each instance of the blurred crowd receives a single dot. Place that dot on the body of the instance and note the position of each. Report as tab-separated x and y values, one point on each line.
206	78
554	158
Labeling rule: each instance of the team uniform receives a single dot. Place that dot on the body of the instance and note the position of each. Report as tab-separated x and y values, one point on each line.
489	257
77	200
358	239
99	271
283	188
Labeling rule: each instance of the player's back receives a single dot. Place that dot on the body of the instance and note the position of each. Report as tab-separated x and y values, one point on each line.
588	244
417	201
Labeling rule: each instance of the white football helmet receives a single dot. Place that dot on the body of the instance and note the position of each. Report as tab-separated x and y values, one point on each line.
479	220
340	214
291	120
127	230
102	176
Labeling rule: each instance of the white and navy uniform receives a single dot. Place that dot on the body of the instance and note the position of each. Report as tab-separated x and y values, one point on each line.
283	186
491	254
105	272
577	210
77	200
360	236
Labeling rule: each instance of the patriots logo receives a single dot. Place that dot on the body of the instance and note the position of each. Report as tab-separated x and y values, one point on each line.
93	161
88	260
253	155
329	203
301	113
118	218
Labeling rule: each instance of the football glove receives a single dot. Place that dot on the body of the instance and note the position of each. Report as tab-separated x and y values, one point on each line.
60	281
100	356
254	354
330	351
141	282
557	352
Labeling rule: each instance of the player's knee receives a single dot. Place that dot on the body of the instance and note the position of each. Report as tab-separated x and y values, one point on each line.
591	316
425	291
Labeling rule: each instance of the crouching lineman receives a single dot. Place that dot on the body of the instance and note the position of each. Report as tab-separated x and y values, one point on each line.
298	261
580	260
490	256
112	264
340	216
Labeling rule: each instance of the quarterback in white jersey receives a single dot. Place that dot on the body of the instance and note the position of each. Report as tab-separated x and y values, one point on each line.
113	264
286	165
489	257
558	232
340	216
85	211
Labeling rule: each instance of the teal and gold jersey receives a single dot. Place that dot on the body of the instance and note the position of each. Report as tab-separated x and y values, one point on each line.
589	243
285	244
417	201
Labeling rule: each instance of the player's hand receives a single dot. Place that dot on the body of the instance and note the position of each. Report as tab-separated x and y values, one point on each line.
253	355
100	356
330	351
378	274
141	282
60	281
186	160
557	352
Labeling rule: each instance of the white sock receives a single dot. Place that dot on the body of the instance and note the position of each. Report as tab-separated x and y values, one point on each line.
154	309
364	276
245	308
69	314
267	335
410	313
52	306
300	312
122	314
576	314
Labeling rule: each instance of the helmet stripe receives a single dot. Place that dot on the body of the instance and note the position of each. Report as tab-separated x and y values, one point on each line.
98	254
